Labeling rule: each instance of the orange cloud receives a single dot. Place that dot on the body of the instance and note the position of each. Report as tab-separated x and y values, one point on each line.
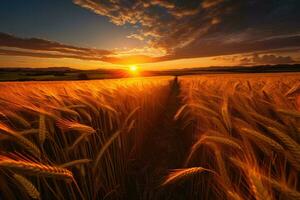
191	29
39	48
46	48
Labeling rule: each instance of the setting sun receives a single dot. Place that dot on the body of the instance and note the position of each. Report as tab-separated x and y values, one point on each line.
133	68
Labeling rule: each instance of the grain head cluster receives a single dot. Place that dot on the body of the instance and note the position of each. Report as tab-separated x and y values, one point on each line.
74	140
86	139
245	137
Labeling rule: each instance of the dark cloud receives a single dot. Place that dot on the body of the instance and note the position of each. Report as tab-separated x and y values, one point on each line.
40	48
266	59
216	47
182	28
195	28
35	47
9	52
44	48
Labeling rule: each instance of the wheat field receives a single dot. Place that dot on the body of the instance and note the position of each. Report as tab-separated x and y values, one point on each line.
245	136
199	137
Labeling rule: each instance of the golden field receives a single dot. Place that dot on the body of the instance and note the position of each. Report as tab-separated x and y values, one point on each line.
199	137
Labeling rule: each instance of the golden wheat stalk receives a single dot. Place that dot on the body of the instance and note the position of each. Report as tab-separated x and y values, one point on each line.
27	144
38	110
129	116
67	125
293	89
76	106
205	109
256	136
260	191
107	107
84	113
77	141
65	110
292	145
292	113
34	168
283	188
76	162
216	122
28	186
23	133
181	174
42	129
179	112
222	167
265	121
93	108
29	131
18	118
212	138
234	195
105	147
131	125
230	142
226	114
279	186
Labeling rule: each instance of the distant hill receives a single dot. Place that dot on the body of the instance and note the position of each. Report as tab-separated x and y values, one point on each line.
231	69
67	73
26	69
56	74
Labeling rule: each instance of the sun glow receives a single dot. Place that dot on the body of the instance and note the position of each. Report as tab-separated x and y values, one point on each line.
133	68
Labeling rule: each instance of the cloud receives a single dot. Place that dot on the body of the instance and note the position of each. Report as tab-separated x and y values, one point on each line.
194	28
173	29
266	59
181	29
216	47
35	47
165	23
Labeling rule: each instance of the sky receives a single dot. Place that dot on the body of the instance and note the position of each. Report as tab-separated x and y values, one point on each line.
152	34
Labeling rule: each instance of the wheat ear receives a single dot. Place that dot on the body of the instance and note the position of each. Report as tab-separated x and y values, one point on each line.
28	186
42	129
181	174
220	140
27	144
67	125
254	135
292	146
76	162
259	189
283	188
291	113
34	168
